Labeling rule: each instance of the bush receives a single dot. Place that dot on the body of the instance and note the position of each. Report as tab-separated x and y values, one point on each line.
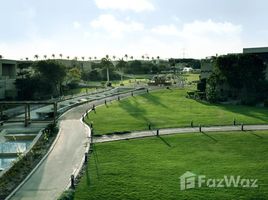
67	195
73	85
266	103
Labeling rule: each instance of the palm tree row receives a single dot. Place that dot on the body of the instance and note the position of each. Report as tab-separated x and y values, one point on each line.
94	58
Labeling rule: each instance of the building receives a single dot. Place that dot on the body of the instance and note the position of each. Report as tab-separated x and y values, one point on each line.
262	52
206	67
208	63
187	69
8	75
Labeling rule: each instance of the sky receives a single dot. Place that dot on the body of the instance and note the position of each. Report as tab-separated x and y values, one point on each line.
164	28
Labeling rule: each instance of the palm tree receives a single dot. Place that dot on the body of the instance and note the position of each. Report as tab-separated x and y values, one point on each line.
75	58
60	55
53	56
83	58
36	57
120	66
126	56
27	58
1	57
45	57
95	58
131	57
114	57
142	57
158	57
68	57
89	58
106	63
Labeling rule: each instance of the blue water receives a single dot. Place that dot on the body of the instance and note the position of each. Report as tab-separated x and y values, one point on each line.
14	146
5	162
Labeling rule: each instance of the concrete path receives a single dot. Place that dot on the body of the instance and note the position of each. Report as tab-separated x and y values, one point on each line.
150	133
53	175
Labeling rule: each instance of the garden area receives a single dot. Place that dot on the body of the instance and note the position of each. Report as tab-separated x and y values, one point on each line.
151	168
169	108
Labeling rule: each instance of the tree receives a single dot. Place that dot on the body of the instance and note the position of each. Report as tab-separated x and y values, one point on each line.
107	64
73	75
68	57
53	55
126	56
36	57
212	90
1	57
60	55
120	66
142	57
238	76
27	87
45	57
83	58
52	73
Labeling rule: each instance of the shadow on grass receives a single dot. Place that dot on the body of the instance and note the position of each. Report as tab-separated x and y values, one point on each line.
153	99
164	141
87	176
134	109
254	134
248	111
209	136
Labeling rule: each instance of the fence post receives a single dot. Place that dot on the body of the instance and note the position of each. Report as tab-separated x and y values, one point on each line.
86	157
72	181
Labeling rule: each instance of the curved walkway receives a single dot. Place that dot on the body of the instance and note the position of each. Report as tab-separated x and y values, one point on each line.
52	177
150	133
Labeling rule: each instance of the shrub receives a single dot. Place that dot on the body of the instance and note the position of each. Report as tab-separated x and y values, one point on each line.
67	195
266	103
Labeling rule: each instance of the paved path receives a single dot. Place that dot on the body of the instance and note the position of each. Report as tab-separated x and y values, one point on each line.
150	133
53	176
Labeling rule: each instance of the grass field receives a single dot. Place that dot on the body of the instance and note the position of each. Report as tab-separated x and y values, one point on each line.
191	77
169	108
150	168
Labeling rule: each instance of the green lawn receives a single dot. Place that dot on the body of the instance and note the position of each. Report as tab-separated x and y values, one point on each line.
149	169
169	108
191	77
